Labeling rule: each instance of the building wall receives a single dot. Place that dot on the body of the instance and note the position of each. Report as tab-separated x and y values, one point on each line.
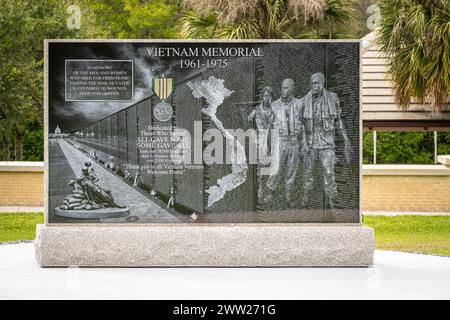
414	188
385	188
21	184
406	193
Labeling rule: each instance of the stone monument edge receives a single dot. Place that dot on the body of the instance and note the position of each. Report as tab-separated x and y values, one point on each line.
358	254
238	245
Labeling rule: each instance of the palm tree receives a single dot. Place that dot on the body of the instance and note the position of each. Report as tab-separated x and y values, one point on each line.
264	19
415	36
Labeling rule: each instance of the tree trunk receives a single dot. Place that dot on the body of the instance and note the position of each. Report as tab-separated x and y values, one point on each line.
18	150
5	145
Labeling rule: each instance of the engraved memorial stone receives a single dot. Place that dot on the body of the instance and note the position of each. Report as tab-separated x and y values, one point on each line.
240	144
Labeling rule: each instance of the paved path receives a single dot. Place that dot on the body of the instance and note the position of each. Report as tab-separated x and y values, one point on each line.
124	194
395	275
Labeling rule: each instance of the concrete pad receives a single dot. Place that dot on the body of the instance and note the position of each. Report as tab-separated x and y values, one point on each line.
394	275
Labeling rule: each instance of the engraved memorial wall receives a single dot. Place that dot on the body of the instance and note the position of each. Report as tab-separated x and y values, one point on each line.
206	134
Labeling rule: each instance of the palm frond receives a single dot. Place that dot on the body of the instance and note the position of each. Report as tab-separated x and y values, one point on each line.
337	16
415	36
197	26
307	9
243	30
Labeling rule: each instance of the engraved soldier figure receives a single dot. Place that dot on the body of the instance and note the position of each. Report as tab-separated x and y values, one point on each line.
321	117
263	116
171	201
285	155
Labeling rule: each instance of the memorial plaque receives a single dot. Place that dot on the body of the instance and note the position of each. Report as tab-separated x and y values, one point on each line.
99	80
225	136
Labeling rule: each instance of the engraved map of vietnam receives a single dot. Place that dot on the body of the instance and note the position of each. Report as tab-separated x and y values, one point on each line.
214	91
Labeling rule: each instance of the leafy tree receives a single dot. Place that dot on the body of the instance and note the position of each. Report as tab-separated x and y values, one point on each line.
12	23
23	27
264	19
367	147
155	19
415	36
395	147
33	143
443	143
405	147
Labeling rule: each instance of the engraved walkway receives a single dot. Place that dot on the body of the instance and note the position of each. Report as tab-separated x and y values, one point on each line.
124	194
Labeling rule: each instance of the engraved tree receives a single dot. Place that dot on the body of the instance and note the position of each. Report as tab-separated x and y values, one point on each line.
265	19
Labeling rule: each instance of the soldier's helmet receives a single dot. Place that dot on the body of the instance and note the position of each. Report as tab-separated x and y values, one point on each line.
267	89
318	76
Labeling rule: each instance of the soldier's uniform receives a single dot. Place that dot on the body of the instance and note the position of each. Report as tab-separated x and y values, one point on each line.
319	117
285	152
264	119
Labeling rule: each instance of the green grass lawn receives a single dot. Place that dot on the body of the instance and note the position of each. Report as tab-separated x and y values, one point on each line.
423	234
19	226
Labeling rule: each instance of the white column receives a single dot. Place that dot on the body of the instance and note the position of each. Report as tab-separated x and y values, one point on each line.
374	147
435	147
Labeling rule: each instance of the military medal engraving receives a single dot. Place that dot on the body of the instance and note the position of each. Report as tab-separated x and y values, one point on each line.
163	87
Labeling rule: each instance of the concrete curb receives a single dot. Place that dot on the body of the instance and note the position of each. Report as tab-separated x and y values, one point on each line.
404	213
20	209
